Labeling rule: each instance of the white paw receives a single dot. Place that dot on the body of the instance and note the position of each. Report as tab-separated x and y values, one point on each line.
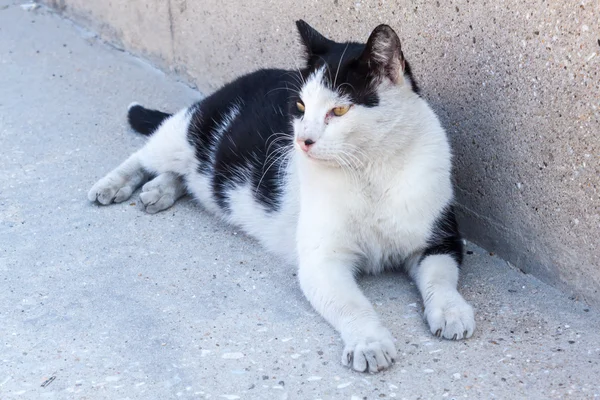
450	316
159	194
373	352
111	189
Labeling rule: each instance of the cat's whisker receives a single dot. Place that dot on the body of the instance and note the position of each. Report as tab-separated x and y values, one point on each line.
274	153
358	151
281	88
347	83
293	58
285	162
296	75
346	167
272	156
293	73
273	134
300	81
354	173
277	148
265	170
349	150
279	136
351	159
340	63
356	161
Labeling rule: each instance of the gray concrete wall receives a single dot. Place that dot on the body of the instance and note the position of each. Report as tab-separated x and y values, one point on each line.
515	83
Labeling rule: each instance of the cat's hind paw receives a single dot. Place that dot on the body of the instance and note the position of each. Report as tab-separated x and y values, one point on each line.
372	353
161	192
110	189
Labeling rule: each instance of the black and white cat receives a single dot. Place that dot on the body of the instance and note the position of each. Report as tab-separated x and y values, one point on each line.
339	167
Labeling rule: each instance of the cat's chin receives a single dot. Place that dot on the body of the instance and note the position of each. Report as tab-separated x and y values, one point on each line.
326	162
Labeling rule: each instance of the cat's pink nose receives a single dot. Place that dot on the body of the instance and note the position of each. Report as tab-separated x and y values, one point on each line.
305	143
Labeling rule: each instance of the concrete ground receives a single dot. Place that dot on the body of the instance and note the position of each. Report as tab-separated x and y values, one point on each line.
112	303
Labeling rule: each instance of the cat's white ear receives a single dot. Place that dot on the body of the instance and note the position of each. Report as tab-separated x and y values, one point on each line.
383	54
314	43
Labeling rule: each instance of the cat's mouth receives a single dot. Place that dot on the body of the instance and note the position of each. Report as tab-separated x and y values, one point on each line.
322	159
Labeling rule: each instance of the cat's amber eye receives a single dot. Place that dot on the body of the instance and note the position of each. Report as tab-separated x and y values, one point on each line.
341	110
300	106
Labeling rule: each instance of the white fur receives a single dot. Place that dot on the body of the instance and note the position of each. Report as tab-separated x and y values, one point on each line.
392	183
168	149
368	190
230	115
447	313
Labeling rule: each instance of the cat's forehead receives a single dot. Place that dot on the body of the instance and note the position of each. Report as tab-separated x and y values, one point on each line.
339	74
319	88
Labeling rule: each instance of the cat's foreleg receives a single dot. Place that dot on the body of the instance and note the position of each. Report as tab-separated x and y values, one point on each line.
327	280
447	313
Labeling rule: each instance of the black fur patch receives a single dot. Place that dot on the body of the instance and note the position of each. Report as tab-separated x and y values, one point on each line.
251	149
144	120
348	67
445	238
343	72
346	75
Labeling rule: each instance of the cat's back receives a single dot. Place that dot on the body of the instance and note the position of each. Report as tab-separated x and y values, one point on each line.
247	108
241	135
236	129
251	93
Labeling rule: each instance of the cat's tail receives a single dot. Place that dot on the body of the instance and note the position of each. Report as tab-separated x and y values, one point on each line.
145	120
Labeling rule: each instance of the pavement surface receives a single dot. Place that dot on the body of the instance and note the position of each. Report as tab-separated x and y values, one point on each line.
112	303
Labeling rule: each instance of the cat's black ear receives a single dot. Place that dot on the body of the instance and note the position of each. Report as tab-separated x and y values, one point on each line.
383	54
314	43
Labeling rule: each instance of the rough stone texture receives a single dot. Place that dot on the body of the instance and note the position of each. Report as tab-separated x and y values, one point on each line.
143	25
515	82
110	302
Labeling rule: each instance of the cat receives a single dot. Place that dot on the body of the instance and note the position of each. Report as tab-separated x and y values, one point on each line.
340	167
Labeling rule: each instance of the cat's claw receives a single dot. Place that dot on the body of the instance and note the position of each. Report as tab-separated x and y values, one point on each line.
372	353
450	316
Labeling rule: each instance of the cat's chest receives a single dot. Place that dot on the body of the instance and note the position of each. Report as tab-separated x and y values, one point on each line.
382	222
378	219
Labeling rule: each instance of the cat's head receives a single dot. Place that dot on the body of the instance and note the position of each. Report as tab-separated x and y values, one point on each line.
349	96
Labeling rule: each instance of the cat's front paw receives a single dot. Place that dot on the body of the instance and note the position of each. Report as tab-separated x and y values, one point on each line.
450	316
372	352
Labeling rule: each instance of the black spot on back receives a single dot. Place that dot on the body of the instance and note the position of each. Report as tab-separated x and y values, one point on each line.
240	153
